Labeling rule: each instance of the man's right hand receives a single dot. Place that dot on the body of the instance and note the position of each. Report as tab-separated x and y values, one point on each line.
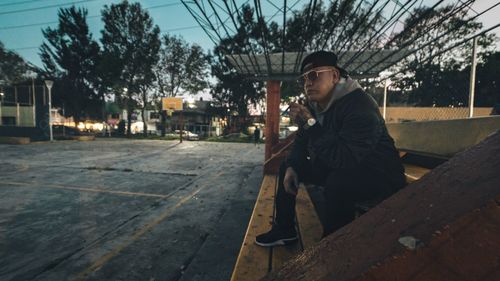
291	181
299	113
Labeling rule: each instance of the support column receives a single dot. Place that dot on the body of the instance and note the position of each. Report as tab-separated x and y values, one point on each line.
273	115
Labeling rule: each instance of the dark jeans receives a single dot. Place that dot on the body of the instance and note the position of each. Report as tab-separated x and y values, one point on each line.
343	188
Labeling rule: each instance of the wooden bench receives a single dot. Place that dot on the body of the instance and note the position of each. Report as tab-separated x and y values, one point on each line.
414	172
254	261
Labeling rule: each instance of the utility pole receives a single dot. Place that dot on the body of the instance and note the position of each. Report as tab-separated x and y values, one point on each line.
472	78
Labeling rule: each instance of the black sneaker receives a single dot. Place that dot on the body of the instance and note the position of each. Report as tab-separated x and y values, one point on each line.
277	237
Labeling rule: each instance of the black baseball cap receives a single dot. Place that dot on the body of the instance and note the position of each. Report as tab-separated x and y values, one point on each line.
321	58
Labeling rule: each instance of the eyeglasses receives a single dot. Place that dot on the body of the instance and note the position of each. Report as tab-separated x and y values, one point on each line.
311	75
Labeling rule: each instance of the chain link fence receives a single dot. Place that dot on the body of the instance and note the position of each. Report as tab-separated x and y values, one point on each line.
399	114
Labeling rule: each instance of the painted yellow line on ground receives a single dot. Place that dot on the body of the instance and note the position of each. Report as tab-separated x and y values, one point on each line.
107	257
18	168
104	259
96	190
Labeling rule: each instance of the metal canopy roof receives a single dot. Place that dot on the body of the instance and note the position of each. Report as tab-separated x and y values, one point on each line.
286	66
341	31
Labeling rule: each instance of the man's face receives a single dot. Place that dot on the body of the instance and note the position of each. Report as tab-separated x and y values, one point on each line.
319	82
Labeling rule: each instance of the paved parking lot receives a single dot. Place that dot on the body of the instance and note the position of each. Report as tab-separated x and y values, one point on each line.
115	209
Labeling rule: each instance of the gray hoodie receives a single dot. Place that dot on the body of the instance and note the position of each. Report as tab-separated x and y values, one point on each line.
343	87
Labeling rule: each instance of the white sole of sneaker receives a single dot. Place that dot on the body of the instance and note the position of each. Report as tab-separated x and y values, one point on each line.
281	242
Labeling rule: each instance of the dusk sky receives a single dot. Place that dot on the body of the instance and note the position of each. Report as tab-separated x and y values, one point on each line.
21	21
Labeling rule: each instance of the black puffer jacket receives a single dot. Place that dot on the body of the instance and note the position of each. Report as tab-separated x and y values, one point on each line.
352	135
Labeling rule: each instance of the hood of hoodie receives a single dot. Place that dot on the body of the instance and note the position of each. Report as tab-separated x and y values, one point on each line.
343	87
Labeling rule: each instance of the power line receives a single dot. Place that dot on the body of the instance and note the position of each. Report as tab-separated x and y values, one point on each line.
17	3
37	24
27	25
93	16
470	8
165	31
163	6
181	28
89	17
44	7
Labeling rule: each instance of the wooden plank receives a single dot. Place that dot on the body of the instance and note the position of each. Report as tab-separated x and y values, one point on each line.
311	229
281	254
253	260
309	226
414	172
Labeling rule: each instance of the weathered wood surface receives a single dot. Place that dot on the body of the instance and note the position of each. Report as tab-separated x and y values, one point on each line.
414	172
253	261
467	181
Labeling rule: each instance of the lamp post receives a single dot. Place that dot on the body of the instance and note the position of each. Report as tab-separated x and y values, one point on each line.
1	102
126	129
49	84
385	100
472	78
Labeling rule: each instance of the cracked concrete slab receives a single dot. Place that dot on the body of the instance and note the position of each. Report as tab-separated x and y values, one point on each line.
117	209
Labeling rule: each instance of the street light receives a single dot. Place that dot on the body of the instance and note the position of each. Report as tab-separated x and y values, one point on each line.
1	101
49	84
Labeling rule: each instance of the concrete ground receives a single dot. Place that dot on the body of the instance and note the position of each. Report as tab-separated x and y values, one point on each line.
116	209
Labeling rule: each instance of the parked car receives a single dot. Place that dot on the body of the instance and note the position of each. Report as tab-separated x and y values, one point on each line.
187	135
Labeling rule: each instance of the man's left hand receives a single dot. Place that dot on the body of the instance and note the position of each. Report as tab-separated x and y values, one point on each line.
299	113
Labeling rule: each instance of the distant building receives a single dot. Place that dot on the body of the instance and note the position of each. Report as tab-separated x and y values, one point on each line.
195	117
24	112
